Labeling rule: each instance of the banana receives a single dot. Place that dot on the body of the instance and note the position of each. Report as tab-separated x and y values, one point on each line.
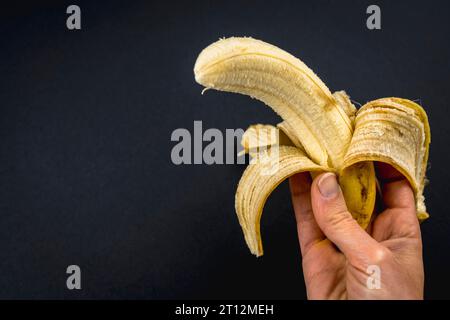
320	131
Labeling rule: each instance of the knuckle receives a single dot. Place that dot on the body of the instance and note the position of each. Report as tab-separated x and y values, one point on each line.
379	256
307	214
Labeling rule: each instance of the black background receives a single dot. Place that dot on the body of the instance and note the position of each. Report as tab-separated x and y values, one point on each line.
86	176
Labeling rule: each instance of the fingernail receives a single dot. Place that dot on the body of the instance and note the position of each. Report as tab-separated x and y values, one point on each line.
328	185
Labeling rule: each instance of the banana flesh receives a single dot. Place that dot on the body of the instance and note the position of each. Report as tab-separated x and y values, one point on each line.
284	83
320	131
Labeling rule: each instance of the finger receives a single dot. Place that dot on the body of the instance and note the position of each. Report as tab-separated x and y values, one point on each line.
337	223
399	219
307	228
396	190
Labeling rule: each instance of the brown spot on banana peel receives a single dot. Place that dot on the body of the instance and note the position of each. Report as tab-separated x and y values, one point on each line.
363	194
358	184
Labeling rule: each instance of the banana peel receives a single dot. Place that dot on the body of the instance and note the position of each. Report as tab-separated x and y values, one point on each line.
321	131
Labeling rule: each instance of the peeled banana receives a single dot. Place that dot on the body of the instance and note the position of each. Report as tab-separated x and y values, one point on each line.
320	131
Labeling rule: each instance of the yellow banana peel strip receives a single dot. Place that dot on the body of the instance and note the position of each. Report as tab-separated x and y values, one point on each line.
344	102
259	179
322	131
394	131
290	135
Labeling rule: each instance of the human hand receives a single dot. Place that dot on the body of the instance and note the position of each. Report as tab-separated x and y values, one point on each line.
337	252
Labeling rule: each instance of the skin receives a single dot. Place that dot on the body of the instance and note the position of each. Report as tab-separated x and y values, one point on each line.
336	251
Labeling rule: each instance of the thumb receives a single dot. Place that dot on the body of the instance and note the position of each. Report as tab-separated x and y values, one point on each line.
336	222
